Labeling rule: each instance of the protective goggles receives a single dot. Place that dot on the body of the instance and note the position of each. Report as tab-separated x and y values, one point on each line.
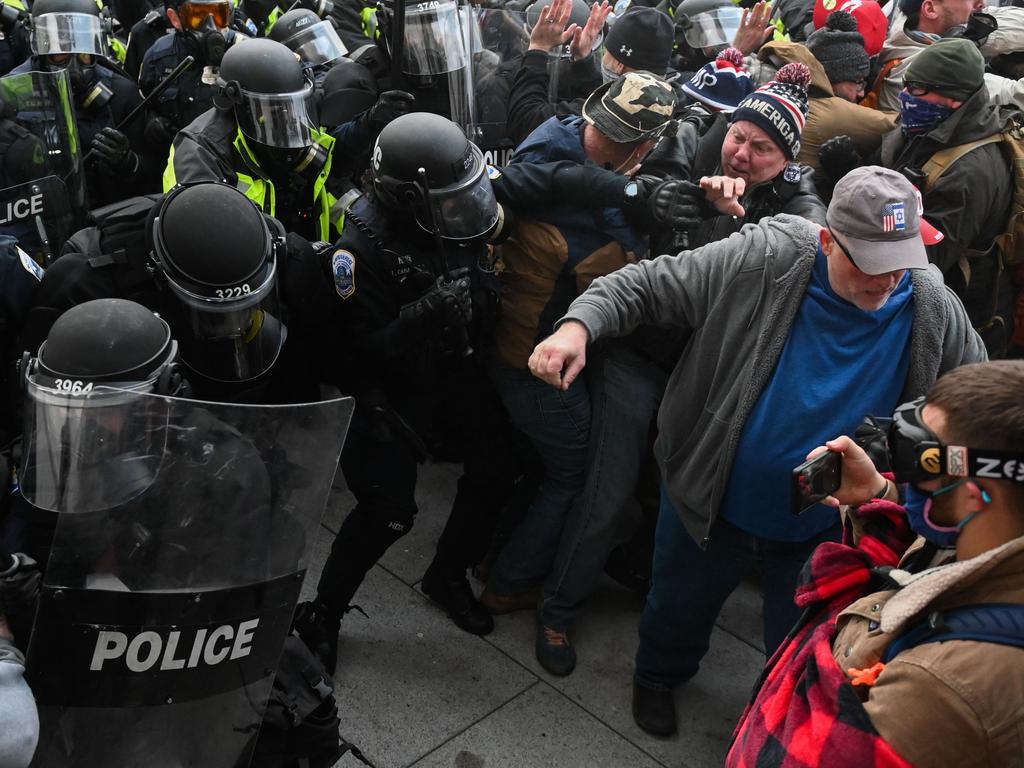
917	455
193	15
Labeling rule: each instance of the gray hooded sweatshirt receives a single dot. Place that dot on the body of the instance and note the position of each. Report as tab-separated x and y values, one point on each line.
19	721
740	296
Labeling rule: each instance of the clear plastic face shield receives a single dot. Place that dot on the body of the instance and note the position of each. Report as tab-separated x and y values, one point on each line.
434	42
283	120
317	44
233	335
713	30
90	447
55	34
464	210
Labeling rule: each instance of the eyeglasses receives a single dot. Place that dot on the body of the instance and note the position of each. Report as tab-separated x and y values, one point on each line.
842	248
917	89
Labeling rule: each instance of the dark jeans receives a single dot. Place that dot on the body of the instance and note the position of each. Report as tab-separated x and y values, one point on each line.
558	425
625	389
690	585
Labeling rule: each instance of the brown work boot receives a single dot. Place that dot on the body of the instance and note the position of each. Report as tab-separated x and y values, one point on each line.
501	604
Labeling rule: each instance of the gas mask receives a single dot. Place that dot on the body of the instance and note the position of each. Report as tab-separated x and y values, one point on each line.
204	24
91	93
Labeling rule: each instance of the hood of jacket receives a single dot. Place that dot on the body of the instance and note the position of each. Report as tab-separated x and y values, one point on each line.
557	138
787	53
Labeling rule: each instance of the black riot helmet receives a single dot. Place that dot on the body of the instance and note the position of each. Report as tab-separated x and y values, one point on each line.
708	26
216	259
67	27
266	85
314	41
94	432
424	164
348	90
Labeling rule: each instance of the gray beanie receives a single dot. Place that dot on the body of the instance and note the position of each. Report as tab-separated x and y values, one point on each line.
840	48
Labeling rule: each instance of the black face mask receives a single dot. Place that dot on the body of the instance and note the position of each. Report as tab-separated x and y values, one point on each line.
977	29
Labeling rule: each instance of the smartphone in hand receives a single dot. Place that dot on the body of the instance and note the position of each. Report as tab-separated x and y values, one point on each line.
815	479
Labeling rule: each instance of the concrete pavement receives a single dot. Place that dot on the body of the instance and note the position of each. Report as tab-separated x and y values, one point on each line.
415	691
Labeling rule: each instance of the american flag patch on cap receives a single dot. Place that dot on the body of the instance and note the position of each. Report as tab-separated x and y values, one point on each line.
894	218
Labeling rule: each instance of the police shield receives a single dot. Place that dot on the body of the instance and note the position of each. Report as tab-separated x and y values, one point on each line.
42	188
183	535
498	39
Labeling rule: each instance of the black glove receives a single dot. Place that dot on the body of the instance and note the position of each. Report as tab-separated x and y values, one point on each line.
448	302
19	585
390	104
160	131
22	152
838	156
112	148
677	204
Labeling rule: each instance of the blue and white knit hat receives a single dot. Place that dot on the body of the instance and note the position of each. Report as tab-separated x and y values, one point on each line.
721	84
779	108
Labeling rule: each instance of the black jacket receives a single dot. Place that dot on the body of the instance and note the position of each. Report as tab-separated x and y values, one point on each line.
969	204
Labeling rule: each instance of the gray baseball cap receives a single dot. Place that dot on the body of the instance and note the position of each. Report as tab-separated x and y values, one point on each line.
877	214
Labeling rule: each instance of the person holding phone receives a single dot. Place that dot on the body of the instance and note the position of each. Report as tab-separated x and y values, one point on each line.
922	664
798	331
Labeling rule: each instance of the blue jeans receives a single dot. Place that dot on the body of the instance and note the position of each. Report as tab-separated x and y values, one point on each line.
625	389
558	425
690	584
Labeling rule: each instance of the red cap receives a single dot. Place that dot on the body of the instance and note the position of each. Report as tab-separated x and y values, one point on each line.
871	21
929	234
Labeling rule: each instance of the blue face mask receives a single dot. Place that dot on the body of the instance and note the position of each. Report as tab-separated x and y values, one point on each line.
919	504
918	116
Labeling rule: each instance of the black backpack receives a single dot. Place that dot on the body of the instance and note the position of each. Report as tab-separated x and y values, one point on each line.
300	727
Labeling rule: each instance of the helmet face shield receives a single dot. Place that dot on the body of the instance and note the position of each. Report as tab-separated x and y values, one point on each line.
714	28
318	44
92	450
434	40
283	120
194	14
466	209
235	335
60	33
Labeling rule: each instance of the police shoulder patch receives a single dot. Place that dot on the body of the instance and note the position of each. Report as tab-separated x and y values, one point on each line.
493	173
792	173
343	267
30	264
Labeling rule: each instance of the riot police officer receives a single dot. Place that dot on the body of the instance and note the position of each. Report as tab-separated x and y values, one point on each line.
70	35
201	30
404	271
314	41
264	138
14	35
212	264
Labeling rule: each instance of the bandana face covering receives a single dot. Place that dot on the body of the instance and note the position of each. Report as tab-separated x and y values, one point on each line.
918	116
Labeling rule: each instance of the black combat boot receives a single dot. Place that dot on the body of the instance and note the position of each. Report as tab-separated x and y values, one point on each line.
318	627
452	592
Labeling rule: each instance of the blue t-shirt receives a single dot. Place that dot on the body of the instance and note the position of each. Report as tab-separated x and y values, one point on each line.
839	364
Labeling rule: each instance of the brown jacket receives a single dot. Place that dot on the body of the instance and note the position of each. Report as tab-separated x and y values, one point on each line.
957	703
829	115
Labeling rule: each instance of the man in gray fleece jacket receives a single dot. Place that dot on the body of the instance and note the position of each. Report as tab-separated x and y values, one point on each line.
797	330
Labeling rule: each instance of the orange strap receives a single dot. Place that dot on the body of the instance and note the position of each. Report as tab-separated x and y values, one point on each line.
871	99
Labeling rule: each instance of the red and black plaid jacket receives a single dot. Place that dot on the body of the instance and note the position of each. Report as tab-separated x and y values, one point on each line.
804	712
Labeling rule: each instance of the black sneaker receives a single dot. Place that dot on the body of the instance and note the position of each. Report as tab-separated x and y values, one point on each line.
554	652
318	628
654	709
453	593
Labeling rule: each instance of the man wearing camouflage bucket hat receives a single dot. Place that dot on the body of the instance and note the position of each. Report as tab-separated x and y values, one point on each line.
555	253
